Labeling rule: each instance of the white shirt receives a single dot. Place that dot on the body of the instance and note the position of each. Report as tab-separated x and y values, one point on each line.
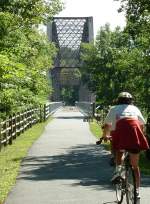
121	111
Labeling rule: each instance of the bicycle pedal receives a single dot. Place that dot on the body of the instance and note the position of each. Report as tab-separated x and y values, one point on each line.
117	180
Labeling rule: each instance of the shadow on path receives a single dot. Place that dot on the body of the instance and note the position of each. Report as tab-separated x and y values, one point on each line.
145	181
88	164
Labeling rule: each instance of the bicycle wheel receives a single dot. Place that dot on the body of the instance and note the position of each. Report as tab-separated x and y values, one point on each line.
130	186
119	191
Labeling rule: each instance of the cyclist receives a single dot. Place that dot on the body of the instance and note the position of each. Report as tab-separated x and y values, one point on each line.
125	122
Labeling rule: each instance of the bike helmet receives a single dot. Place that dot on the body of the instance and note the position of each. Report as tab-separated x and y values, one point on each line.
125	95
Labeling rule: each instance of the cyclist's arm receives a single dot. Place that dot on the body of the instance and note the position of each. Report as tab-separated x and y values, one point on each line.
106	131
106	134
142	120
108	124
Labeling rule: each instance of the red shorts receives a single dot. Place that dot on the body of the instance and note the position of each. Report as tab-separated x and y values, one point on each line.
129	136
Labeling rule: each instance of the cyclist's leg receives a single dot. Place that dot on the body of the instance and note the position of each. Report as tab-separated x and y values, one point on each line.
112	156
134	159
119	157
112	150
118	161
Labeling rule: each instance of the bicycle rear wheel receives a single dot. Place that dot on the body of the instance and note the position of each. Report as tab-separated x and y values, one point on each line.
130	186
119	190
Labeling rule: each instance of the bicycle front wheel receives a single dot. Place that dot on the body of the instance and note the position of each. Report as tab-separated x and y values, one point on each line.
130	186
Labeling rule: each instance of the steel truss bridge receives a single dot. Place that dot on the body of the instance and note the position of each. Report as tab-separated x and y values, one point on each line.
68	33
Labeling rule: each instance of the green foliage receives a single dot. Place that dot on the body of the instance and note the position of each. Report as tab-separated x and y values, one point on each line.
117	63
138	28
69	95
70	77
144	164
31	12
26	55
103	77
95	129
138	15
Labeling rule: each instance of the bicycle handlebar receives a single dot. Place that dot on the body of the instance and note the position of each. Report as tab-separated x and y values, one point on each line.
103	138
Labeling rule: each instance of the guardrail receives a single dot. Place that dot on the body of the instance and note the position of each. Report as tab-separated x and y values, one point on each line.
87	108
50	108
16	124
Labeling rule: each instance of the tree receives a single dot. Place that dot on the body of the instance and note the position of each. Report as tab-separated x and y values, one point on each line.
31	12
26	55
138	27
70	77
115	63
99	69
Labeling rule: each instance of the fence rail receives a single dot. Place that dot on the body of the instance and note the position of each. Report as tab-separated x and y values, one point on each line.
17	123
87	108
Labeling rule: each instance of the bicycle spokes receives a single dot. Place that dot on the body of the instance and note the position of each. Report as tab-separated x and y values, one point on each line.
130	187
120	191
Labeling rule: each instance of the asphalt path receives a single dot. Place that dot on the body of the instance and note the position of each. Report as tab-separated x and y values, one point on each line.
64	166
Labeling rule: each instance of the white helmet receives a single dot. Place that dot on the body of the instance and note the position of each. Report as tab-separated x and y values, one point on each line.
125	95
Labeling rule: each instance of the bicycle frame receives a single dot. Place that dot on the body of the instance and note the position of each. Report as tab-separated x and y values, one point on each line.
126	184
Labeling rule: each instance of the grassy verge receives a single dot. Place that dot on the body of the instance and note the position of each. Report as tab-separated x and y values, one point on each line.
144	162
95	129
11	157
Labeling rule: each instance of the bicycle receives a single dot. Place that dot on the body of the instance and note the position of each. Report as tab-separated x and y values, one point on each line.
126	183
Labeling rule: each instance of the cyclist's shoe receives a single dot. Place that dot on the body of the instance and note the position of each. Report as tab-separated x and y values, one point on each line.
138	194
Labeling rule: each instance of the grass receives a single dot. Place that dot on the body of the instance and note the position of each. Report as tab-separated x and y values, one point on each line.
12	155
95	129
144	162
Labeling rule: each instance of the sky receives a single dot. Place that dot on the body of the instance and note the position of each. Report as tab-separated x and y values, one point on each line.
103	11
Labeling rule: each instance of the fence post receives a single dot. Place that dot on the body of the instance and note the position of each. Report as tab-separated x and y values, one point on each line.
15	127
41	113
32	114
19	116
44	112
49	109
10	131
23	121
19	124
5	133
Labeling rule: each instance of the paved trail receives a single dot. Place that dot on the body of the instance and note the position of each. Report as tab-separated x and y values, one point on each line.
64	166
